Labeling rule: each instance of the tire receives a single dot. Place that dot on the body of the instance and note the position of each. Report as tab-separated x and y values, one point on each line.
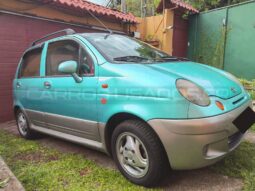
24	126
139	154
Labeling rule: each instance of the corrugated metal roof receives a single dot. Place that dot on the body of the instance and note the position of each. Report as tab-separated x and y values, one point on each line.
83	6
178	3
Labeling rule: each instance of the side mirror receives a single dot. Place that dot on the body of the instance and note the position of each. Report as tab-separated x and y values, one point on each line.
70	67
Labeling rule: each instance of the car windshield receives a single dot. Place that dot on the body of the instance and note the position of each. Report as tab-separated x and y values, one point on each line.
119	48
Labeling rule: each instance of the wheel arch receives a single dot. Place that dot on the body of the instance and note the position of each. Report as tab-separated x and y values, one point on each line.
15	109
118	118
112	123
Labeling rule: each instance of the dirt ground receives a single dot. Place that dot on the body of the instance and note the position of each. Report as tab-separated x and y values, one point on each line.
194	180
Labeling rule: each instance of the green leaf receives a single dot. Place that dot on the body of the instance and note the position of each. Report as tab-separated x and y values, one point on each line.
4	183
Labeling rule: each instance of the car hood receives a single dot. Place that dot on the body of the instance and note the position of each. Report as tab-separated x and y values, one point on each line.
214	81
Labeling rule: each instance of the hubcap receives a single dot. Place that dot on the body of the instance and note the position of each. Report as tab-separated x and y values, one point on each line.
22	124
132	155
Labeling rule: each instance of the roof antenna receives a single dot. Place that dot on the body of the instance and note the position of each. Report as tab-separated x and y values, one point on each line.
98	20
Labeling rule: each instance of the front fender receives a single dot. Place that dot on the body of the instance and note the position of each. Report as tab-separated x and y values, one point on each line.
146	108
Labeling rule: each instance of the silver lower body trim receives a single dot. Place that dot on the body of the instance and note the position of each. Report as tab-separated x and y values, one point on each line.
84	132
75	139
196	143
65	124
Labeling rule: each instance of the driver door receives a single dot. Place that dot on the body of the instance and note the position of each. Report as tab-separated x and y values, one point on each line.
71	106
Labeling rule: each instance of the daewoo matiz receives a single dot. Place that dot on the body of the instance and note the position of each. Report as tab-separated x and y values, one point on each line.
147	109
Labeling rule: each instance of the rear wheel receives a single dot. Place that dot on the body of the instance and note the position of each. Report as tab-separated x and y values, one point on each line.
138	153
24	126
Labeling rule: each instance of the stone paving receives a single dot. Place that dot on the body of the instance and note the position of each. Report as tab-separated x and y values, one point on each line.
5	174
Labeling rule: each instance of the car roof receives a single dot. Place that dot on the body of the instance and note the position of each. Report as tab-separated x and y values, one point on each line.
86	34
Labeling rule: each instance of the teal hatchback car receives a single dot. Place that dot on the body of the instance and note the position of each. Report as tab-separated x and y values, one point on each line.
152	112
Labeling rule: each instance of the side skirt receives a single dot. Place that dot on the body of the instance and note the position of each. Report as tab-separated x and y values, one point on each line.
82	141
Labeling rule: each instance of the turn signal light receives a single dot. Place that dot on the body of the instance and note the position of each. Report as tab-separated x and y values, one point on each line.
220	105
104	85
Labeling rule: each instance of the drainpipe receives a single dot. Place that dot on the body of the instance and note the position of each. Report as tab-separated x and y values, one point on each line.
123	6
225	25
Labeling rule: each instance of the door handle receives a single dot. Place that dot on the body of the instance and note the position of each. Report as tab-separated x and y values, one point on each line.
18	84
47	85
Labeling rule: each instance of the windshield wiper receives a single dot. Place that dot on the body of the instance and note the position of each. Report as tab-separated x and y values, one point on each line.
166	58
169	58
130	58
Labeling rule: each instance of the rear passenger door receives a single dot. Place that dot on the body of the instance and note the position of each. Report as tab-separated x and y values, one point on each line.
71	106
28	86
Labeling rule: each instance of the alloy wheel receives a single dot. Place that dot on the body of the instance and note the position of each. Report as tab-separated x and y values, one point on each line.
132	155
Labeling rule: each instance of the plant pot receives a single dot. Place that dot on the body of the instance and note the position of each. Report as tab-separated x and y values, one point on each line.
153	42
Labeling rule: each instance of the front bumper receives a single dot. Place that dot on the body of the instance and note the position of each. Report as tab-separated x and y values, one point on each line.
196	143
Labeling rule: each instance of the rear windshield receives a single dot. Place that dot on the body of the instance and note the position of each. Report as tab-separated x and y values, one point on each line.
119	48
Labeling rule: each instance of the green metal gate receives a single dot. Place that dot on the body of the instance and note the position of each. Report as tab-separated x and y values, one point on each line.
225	38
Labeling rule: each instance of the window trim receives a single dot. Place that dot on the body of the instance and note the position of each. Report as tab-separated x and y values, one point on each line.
67	75
41	46
86	75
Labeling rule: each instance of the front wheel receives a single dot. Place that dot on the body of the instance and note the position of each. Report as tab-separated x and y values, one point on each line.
138	153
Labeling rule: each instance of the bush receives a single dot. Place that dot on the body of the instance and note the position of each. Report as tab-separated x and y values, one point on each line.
249	86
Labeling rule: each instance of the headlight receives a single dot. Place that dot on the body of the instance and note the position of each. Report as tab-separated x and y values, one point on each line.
192	92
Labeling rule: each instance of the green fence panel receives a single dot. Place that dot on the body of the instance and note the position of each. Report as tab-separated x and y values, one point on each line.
240	44
209	35
225	38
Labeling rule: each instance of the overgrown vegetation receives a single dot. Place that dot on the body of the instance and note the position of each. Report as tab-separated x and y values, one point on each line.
41	168
249	86
134	6
253	128
211	47
204	5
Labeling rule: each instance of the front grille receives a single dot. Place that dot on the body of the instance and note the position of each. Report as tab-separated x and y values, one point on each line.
237	101
234	139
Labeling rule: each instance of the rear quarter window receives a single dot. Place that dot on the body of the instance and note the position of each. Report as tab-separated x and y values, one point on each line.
30	64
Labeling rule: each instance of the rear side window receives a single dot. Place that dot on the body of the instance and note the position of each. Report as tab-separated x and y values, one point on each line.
59	52
30	66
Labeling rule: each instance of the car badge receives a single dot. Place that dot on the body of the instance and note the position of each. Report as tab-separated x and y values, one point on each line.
233	90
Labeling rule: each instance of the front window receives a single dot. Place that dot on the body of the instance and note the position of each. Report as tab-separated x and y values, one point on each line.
59	52
119	48
66	50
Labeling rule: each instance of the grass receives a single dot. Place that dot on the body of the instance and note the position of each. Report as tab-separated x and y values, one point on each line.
240	164
253	128
249	86
41	168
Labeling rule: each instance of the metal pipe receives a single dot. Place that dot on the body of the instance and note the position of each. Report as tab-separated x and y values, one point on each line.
225	38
